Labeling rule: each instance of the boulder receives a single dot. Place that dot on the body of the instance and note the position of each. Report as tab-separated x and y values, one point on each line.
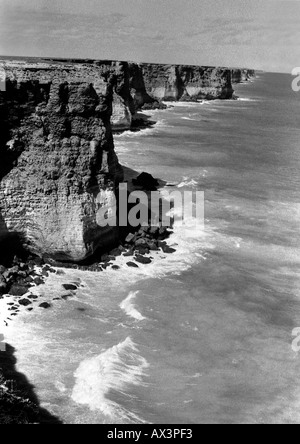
140	242
154	231
45	305
18	290
153	246
146	181
69	287
67	296
25	302
130	238
60	272
168	250
116	252
143	259
143	250
132	265
38	281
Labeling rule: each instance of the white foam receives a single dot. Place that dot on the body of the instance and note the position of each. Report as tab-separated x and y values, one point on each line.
132	134
7	318
117	369
4	311
187	183
187	104
189	118
60	387
129	308
245	99
142	132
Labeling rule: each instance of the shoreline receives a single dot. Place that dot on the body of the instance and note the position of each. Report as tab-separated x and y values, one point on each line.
23	294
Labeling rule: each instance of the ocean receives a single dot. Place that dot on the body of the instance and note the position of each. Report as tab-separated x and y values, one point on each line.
203	335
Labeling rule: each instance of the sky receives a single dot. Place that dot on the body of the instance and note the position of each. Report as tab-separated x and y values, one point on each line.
260	34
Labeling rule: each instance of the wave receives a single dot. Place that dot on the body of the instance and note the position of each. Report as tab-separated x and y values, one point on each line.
189	118
187	183
133	134
116	369
245	99
187	104
129	308
152	130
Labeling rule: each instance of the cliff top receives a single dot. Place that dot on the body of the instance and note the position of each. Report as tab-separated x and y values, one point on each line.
56	62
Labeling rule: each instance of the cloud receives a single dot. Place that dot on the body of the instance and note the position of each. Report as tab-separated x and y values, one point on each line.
227	32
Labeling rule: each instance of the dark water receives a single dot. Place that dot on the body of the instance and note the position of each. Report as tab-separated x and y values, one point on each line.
205	335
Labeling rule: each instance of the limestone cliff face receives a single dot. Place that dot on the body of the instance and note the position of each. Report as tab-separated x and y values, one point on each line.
205	83
123	107
242	75
136	85
154	82
58	164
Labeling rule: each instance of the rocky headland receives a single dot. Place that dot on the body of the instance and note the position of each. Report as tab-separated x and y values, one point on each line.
58	165
242	75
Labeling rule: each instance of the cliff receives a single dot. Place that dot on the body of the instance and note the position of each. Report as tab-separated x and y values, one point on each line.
147	85
242	75
58	164
152	82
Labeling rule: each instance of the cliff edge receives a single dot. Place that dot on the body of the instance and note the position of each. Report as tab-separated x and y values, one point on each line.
147	85
153	82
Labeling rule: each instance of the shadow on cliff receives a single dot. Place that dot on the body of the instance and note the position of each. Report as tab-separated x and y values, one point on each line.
141	122
14	407
130	176
11	245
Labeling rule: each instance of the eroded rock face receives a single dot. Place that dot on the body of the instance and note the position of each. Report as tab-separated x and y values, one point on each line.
205	83
242	75
123	107
121	119
57	155
136	85
154	82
